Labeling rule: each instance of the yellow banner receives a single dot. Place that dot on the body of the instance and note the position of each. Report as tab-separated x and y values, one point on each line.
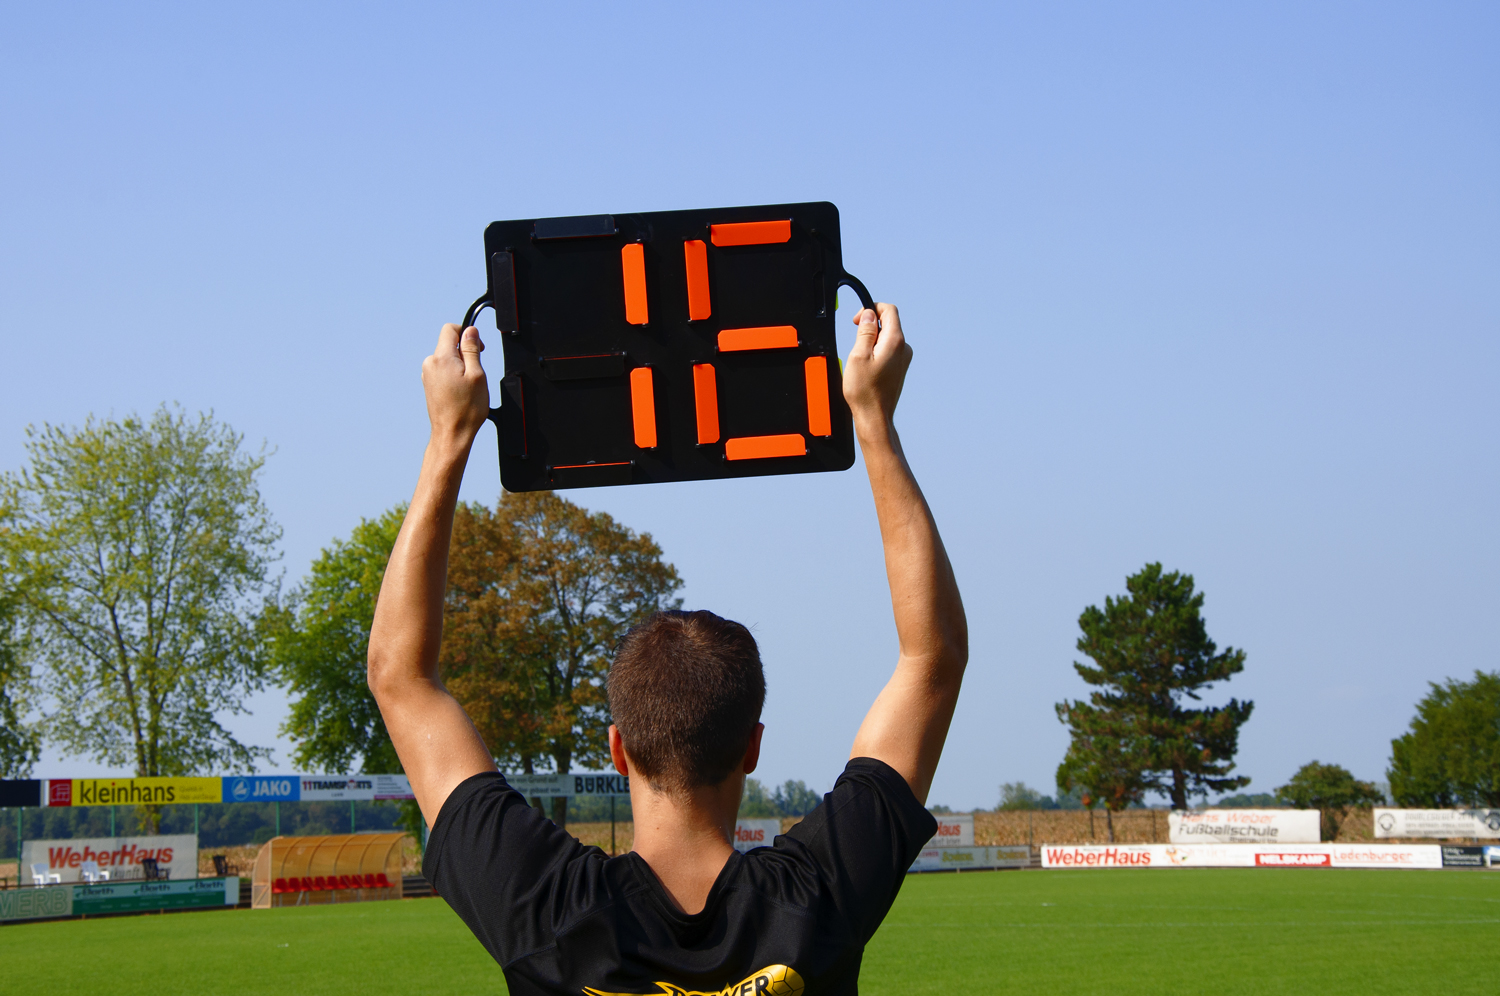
146	791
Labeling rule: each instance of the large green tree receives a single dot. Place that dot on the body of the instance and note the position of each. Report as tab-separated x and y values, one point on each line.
141	549
1330	789
19	741
1451	755
1152	657
540	591
320	637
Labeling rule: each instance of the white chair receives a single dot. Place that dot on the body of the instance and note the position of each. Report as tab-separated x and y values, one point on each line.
40	875
91	872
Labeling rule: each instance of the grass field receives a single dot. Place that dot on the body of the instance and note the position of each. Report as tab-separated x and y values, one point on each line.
1226	931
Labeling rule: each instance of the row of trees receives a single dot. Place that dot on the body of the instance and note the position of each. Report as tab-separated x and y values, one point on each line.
137	611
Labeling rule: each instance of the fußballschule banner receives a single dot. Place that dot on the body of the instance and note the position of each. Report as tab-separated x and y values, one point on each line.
1244	826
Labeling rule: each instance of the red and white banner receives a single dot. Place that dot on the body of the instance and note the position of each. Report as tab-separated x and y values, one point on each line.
176	856
755	833
1244	826
953	830
1242	856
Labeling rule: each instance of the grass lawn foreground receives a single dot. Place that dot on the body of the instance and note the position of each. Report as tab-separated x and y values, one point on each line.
1226	931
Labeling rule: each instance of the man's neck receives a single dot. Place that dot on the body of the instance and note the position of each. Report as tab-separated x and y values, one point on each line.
685	837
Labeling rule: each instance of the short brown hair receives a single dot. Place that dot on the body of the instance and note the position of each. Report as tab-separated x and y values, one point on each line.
686	690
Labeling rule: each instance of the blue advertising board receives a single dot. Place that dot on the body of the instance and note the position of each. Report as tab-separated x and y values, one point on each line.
263	788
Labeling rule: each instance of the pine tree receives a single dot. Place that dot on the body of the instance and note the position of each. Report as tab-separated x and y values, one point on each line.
1151	655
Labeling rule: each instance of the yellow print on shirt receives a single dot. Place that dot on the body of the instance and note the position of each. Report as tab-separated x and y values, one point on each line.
773	980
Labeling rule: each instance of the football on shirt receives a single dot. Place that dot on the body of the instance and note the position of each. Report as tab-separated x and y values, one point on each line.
785	981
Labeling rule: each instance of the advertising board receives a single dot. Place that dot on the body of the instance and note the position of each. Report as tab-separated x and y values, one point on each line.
392	787
263	788
755	833
176	855
336	788
32	904
130	897
20	792
953	830
1242	856
133	791
1441	823
1244	826
1463	856
961	858
576	783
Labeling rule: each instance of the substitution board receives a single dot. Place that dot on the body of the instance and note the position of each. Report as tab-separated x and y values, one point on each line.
668	345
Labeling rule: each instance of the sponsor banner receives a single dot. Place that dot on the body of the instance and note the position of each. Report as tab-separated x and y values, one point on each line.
1386	855
1241	856
263	788
755	833
392	787
20	792
133	791
336	788
1492	857
552	786
951	858
1444	823
129	897
953	830
1244	826
31	904
176	856
1463	856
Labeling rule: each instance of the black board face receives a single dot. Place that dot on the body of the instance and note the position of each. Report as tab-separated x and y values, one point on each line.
668	346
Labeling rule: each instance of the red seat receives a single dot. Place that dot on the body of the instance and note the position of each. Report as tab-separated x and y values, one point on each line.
382	882
279	886
319	883
344	882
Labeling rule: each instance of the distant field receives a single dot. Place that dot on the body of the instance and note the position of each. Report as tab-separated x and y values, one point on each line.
1227	931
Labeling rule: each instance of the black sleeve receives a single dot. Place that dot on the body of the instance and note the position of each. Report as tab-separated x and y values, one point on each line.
864	838
507	870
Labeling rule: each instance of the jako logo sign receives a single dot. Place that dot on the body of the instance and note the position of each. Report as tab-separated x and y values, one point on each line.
261	789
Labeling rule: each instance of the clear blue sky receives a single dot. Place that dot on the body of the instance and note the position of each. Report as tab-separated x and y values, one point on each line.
1214	285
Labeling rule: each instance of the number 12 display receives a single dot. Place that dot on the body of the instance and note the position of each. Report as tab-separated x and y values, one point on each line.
668	346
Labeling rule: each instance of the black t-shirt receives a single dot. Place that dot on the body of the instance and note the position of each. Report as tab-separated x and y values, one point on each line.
564	919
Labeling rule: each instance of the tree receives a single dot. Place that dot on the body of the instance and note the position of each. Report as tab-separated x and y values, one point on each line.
1018	796
320	645
1106	761
142	549
19	743
1151	652
1330	789
1451	755
794	798
756	803
540	592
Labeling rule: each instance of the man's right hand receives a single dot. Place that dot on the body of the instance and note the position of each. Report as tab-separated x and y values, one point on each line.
876	368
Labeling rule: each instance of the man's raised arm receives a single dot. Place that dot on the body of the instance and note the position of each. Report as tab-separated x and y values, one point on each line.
908	723
433	736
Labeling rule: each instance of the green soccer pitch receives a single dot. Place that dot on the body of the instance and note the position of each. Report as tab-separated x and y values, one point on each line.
1225	931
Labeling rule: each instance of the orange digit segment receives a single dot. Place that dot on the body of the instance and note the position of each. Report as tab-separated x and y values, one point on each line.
706	400
819	420
764	447
751	233
643	407
700	306
633	265
765	337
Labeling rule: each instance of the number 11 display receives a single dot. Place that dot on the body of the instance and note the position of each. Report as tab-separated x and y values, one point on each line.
668	346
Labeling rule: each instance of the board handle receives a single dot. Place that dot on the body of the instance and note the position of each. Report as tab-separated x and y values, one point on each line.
853	282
